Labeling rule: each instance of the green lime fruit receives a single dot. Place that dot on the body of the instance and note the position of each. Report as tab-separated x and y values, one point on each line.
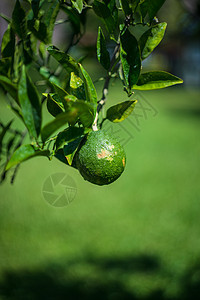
100	159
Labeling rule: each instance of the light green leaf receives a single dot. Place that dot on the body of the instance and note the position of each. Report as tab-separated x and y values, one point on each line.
8	43
30	104
102	52
151	39
130	58
78	4
91	94
120	111
23	153
156	80
86	112
77	86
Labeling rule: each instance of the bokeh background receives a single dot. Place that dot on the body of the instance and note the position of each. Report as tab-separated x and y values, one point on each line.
138	238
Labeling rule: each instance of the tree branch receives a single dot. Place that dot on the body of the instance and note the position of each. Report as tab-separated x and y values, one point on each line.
102	101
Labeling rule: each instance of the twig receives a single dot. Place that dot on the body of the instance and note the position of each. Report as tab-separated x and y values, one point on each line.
102	102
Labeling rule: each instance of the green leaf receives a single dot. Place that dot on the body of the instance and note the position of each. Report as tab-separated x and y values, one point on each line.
151	7
30	104
23	153
68	135
8	43
108	13
77	86
60	120
43	28
8	20
156	80
102	52
5	66
70	149
19	22
53	107
61	93
35	4
2	134
91	94
120	111
130	58
78	4
151	39
126	7
86	112
10	87
74	18
64	59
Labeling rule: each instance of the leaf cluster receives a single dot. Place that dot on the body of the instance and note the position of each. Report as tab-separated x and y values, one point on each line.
68	92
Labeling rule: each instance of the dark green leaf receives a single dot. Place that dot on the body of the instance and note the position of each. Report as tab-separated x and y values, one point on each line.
108	13
126	7
151	7
156	80
23	153
86	112
74	18
121	111
61	93
53	107
35	7
130	58
71	148
78	4
5	66
91	94
102	52
43	28
19	22
151	39
2	134
64	59
68	135
8	43
10	87
60	120
30	104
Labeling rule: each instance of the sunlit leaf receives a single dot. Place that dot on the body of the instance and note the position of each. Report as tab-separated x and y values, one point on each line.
78	4
91	94
156	80
120	111
151	39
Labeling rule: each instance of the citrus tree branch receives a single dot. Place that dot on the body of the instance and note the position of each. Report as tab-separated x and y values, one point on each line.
102	101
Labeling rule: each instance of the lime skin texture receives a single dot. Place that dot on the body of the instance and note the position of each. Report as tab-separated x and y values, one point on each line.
101	158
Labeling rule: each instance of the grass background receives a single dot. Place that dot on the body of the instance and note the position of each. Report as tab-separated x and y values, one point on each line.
138	238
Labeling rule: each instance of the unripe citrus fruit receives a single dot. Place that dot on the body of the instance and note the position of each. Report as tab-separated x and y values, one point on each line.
101	158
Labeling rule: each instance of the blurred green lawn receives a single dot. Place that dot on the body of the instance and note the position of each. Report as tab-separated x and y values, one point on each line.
138	238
